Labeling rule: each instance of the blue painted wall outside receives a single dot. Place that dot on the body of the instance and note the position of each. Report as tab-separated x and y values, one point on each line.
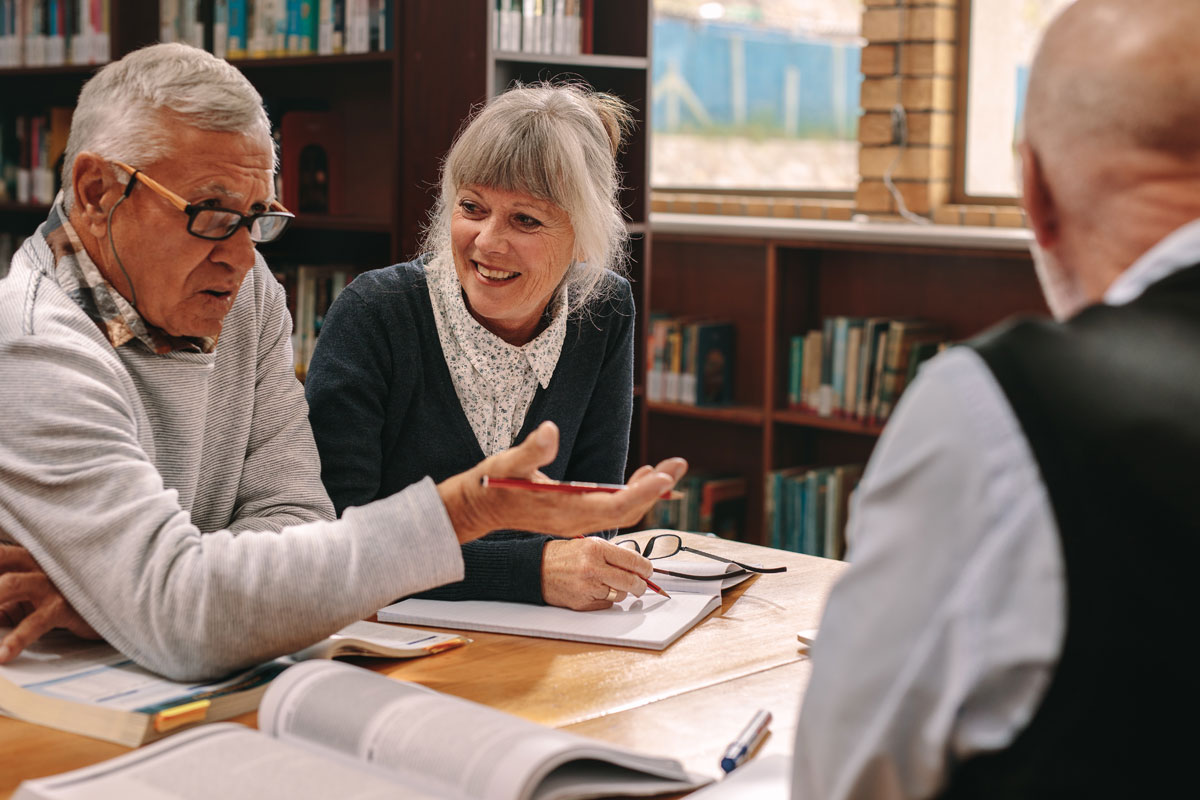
701	53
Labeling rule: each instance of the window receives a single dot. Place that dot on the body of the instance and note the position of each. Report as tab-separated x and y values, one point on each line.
1003	38
759	95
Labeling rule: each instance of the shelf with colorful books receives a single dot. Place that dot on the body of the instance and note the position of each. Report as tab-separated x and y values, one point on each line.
276	29
709	502
32	142
775	291
806	508
854	369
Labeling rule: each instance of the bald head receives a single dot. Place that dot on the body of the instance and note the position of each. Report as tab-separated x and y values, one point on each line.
1111	157
1118	73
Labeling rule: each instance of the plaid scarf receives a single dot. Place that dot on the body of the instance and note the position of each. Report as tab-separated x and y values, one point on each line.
119	321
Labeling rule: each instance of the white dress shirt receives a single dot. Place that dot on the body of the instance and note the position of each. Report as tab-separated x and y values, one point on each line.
942	637
495	381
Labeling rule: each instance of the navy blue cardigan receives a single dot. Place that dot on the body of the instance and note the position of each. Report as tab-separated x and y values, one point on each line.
385	414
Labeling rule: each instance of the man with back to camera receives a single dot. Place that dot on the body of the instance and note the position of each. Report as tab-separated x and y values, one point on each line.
1021	541
157	461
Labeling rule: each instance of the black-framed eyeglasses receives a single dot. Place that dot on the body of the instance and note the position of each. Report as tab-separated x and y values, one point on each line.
214	223
665	545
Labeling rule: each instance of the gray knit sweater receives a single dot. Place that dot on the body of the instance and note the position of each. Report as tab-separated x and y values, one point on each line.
176	499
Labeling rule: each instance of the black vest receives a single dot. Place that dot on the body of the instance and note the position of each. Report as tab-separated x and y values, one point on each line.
1110	403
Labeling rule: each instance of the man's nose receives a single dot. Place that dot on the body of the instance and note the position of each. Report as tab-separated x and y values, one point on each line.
236	252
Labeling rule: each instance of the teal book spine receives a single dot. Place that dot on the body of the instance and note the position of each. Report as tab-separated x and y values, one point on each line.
796	370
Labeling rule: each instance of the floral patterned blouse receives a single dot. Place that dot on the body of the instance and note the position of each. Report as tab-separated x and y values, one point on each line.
495	381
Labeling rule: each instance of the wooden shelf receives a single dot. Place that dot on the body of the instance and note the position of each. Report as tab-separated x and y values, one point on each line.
777	281
807	419
81	70
583	60
328	222
13	207
736	415
378	57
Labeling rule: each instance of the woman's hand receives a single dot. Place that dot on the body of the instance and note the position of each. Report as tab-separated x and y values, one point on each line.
579	574
31	604
474	510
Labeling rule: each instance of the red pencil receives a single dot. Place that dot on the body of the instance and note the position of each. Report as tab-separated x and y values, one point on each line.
570	487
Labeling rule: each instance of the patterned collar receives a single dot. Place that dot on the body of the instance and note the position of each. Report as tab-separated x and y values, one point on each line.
486	350
119	321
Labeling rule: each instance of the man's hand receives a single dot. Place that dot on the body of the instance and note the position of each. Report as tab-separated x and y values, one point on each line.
475	510
30	604
578	573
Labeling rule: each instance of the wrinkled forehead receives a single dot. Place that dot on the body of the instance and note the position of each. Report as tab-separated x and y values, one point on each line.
236	165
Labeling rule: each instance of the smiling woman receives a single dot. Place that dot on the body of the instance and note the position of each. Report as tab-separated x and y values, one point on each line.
514	315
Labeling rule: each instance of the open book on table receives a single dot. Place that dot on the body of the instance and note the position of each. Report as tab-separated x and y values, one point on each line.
651	621
333	730
88	687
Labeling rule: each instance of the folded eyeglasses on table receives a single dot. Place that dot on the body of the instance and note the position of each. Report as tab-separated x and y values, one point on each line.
665	545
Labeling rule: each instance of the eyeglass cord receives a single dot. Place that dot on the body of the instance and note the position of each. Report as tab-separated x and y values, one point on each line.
113	245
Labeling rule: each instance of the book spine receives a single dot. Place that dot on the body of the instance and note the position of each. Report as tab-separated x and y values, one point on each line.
292	27
795	371
220	28
838	365
853	347
237	45
689	335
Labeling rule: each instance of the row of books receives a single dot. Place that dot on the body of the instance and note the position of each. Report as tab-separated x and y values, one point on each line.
557	27
709	503
856	367
689	361
31	152
49	33
806	508
310	292
236	29
310	179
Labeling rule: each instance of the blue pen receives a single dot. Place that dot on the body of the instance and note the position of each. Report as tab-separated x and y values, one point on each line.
750	737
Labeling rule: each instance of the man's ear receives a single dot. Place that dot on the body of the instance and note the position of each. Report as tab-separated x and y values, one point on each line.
96	189
1037	198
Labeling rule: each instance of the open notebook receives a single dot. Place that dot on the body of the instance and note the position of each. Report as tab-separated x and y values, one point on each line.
650	621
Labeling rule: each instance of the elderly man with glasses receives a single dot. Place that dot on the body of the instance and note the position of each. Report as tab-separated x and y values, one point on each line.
157	461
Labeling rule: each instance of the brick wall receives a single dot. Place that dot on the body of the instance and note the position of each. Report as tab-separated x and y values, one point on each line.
910	59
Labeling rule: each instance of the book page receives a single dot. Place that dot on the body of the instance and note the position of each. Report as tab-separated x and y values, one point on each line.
764	778
225	761
63	666
383	641
471	749
650	621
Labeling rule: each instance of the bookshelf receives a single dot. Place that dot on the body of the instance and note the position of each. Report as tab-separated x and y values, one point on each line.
775	281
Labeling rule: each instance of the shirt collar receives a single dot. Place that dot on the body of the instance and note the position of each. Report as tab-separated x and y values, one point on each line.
1180	248
481	346
81	279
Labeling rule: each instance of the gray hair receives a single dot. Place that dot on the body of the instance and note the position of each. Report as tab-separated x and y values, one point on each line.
555	142
120	111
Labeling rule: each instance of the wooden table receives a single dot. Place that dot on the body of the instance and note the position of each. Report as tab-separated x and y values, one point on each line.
686	702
